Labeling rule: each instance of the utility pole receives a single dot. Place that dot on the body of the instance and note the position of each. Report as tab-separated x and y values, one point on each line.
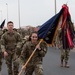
55	6
7	12
19	12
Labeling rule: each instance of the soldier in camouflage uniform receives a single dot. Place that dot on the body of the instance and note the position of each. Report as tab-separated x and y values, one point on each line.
1	55
10	44
35	64
64	53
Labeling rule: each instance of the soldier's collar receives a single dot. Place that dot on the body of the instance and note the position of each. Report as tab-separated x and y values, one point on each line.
10	32
33	44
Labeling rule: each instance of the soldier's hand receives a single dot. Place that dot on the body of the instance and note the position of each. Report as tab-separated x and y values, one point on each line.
38	47
5	54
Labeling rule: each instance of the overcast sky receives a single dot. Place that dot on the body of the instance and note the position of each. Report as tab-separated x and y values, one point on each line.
33	12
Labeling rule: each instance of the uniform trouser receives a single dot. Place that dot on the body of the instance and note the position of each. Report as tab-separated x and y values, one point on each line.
12	66
38	69
65	55
1	56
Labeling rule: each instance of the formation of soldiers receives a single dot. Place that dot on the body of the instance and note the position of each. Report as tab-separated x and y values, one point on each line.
13	45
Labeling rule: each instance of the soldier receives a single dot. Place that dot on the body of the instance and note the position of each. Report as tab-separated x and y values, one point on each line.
64	52
35	64
10	44
1	55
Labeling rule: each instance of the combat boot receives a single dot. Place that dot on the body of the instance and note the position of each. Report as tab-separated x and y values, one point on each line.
66	65
61	64
62	59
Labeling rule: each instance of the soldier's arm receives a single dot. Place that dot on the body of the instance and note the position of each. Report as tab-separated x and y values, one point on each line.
43	49
19	40
3	44
24	53
18	45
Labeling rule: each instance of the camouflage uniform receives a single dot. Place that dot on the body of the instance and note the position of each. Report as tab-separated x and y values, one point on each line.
35	64
64	53
1	55
11	44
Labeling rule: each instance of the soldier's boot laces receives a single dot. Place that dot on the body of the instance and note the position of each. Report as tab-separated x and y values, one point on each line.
66	65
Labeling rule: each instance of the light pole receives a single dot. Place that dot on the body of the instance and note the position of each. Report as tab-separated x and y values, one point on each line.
7	12
55	6
19	12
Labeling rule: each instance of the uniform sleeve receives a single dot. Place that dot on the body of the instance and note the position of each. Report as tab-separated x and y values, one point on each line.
24	53
43	50
3	43
18	45
19	40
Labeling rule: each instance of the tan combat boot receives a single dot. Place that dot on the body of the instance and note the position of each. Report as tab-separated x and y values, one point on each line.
66	65
61	63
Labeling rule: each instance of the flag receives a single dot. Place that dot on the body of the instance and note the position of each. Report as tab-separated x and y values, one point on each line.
48	29
69	39
67	29
2	24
